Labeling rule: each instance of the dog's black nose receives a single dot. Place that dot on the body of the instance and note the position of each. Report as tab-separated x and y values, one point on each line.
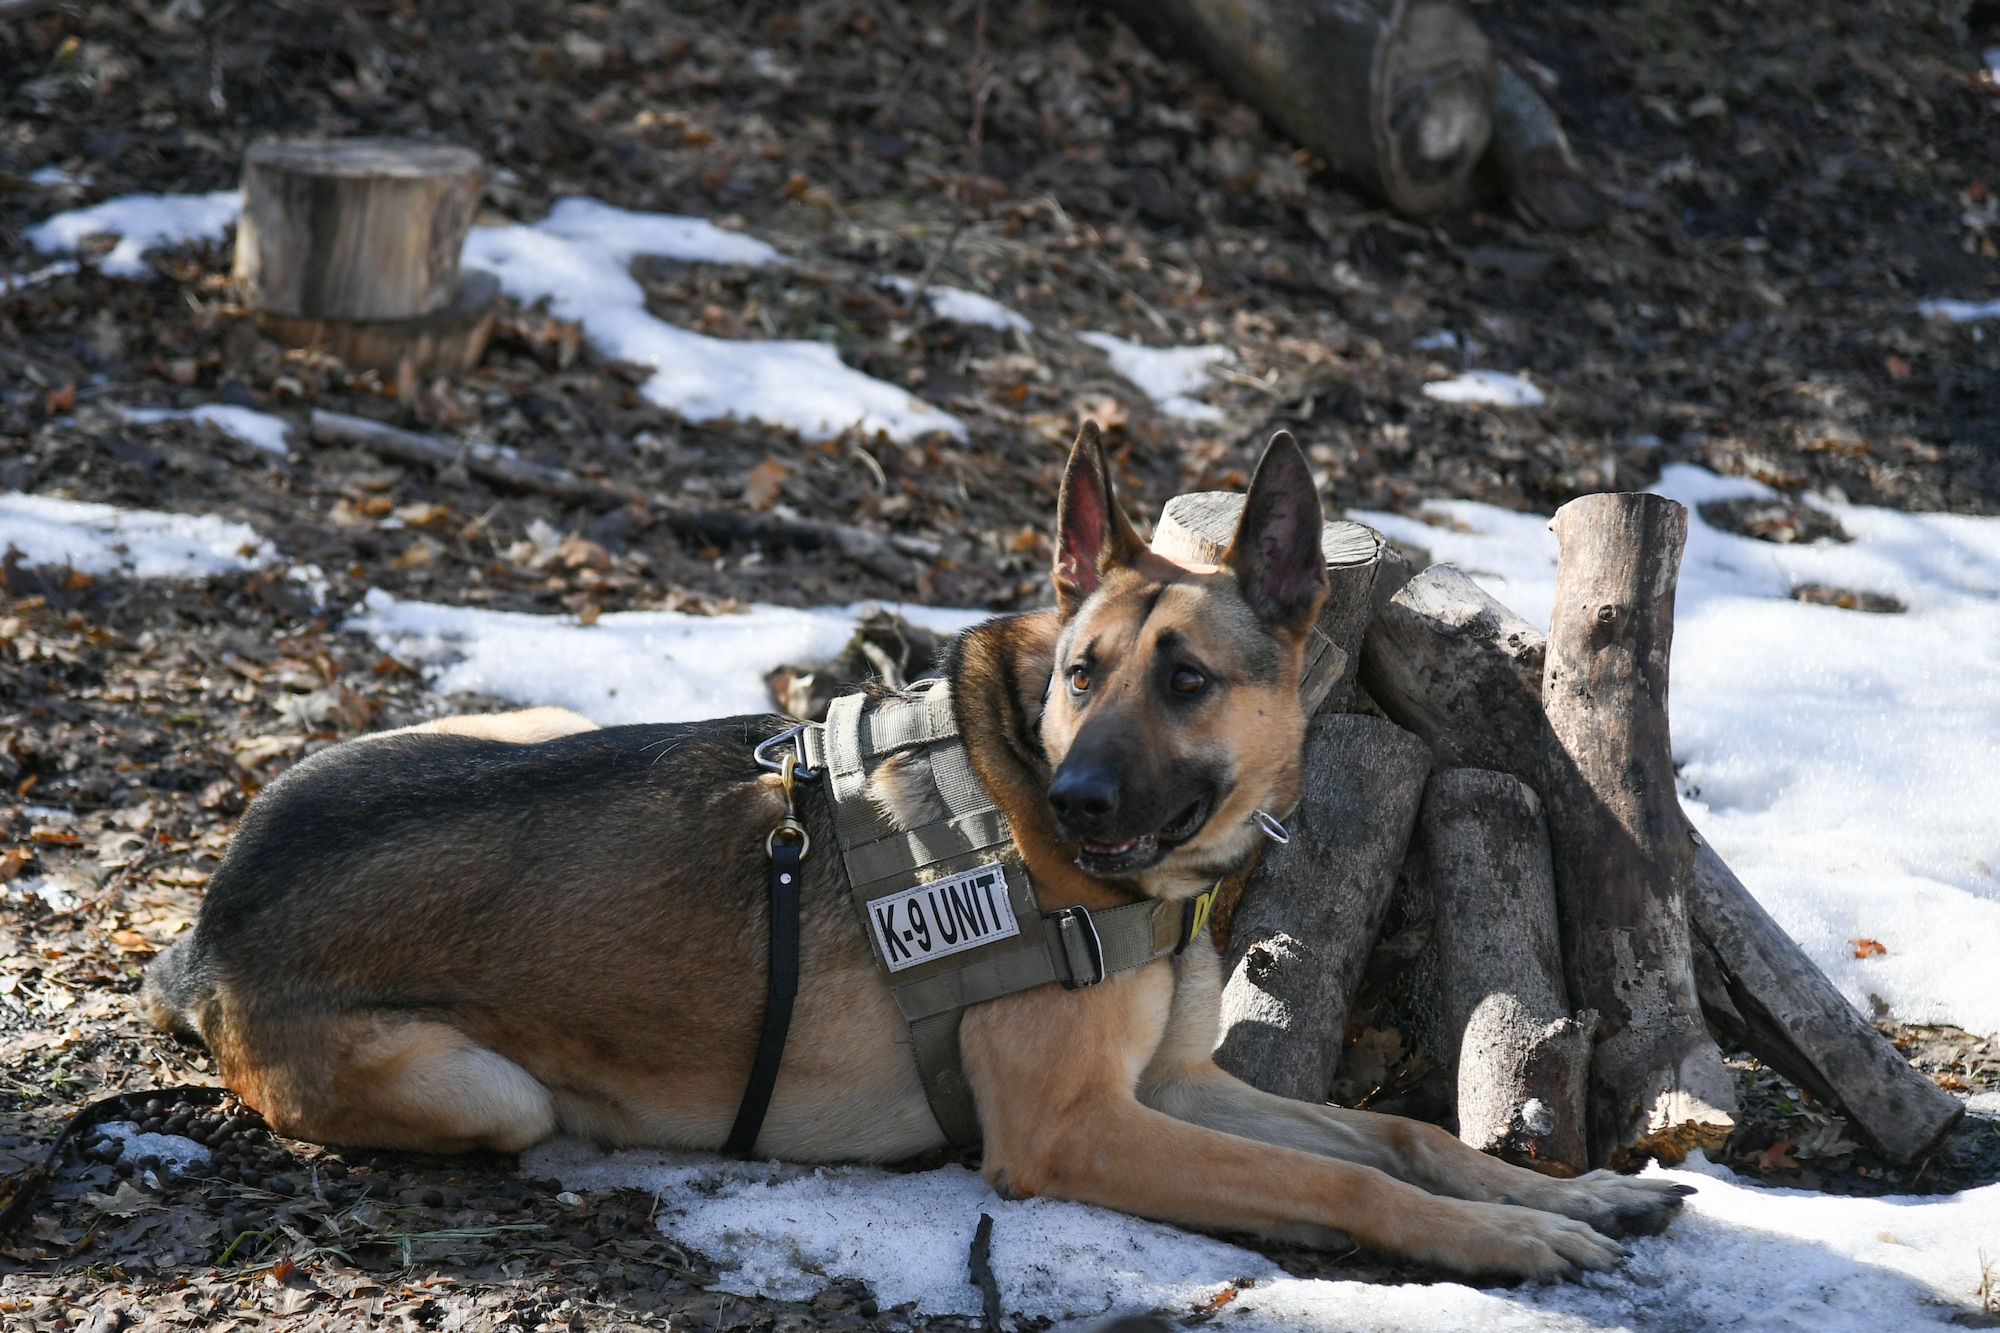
1084	795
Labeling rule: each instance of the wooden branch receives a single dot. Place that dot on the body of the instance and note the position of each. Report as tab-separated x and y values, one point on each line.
1522	1059
1396	96
1312	908
869	550
1448	661
1196	529
1623	850
1760	990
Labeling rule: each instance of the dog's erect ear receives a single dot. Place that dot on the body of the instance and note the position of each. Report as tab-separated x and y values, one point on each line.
1275	554
1093	536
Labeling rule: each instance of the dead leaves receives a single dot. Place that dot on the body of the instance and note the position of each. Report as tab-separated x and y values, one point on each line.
761	487
1867	948
128	1201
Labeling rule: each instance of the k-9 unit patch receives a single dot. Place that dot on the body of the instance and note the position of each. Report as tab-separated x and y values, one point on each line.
944	917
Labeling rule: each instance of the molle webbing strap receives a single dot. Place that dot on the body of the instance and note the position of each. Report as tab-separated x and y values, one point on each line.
965	833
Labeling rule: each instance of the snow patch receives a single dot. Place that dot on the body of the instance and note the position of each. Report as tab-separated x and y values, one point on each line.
630	666
626	234
139	543
1491	387
1167	375
261	430
1959	312
1739	1256
1845	765
55	177
578	258
960	306
174	1151
783	1231
142	222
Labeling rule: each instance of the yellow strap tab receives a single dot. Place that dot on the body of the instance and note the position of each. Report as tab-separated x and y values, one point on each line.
1203	902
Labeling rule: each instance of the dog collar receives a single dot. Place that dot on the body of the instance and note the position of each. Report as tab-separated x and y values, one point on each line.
947	906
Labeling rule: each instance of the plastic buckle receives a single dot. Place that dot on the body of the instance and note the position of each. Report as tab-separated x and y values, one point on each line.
797	736
1079	935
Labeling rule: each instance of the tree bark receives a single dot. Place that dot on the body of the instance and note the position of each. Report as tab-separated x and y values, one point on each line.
354	244
1311	910
1397	95
1761	991
1532	156
1522	1059
1623	850
1196	528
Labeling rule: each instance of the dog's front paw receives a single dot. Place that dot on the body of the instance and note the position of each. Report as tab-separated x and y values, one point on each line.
1620	1205
1511	1241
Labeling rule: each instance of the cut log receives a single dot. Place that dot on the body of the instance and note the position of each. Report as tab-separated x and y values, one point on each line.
1447	660
1456	667
1310	912
1761	991
1397	95
1522	1058
1624	852
1196	529
354	244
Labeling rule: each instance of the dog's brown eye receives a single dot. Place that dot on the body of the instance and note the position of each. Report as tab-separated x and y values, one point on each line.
1186	680
1079	679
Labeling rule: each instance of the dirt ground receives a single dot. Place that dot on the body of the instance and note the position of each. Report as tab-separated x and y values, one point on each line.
1791	180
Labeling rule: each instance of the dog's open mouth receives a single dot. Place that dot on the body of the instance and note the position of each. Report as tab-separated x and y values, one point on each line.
1129	855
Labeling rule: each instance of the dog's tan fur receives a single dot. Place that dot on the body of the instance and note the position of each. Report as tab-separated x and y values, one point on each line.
481	931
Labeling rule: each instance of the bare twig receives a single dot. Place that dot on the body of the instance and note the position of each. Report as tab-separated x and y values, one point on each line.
982	1250
888	556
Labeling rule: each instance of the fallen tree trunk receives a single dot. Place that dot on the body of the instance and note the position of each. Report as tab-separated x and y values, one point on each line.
1761	991
1522	1059
1623	850
1309	914
1394	94
871	551
1532	156
1197	528
1455	666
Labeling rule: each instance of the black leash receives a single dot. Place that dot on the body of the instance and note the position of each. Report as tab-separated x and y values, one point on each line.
23	1188
787	846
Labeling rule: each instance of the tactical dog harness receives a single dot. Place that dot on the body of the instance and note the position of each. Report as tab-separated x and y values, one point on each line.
947	906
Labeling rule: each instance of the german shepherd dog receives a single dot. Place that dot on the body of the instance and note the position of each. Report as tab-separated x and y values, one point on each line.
482	932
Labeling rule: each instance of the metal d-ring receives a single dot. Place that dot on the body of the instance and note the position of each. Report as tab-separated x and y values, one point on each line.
797	736
1273	830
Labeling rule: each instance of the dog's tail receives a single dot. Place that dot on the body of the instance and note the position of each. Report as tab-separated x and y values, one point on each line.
167	998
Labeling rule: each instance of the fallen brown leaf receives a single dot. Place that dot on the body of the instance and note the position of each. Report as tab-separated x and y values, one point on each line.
131	941
760	488
1867	948
1778	1157
13	862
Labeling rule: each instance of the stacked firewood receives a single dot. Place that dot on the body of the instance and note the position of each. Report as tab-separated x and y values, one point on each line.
1593	956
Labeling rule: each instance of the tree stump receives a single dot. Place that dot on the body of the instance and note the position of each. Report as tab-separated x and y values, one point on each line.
1759	989
1625	852
1309	915
354	244
1397	95
1522	1059
1196	529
